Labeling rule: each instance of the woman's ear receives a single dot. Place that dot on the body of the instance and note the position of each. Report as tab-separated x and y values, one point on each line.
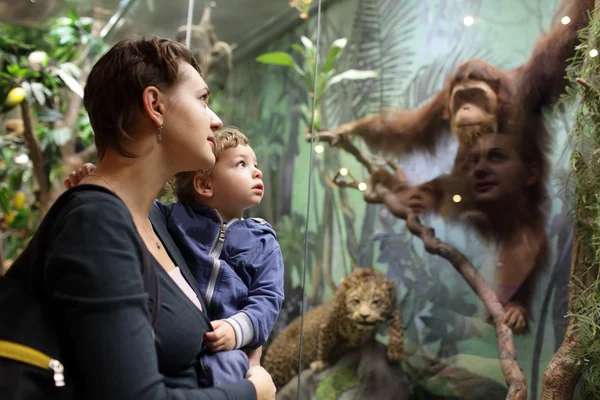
532	174
202	185
154	104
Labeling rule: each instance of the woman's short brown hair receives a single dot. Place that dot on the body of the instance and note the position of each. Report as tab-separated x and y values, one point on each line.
183	183
115	85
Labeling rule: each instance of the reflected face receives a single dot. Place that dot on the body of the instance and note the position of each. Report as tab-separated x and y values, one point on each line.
236	181
189	122
495	169
418	198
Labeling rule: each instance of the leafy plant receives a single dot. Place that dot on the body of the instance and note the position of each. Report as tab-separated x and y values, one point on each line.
324	75
580	351
40	74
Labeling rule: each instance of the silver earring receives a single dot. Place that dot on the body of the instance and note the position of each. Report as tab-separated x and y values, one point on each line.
159	137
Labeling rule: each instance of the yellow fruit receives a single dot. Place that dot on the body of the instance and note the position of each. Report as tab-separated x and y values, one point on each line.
19	200
15	96
10	217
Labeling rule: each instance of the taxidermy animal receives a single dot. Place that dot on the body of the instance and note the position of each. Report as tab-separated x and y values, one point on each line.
214	56
364	300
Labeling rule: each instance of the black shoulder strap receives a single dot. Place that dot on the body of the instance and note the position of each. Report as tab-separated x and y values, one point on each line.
151	286
159	223
29	266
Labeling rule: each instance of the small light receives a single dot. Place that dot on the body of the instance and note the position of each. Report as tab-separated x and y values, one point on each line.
593	53
468	20
565	20
362	186
343	171
456	198
319	148
22	159
213	4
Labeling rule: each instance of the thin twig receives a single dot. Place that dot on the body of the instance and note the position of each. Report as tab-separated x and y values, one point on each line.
587	85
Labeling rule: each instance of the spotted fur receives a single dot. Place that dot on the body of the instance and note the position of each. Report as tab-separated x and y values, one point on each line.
365	299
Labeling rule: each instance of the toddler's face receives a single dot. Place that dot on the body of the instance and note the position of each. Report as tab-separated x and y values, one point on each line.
236	180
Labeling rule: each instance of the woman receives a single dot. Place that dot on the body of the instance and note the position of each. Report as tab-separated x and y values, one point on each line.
147	104
507	190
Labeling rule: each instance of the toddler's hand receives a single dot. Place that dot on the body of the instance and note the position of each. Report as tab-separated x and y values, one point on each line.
76	176
222	338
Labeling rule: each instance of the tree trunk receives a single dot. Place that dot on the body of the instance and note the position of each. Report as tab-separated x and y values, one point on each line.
560	377
37	158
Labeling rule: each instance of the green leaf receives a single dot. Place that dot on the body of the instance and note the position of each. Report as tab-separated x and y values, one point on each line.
334	53
14	47
39	93
307	43
16	179
352	75
5	196
71	82
298	48
60	31
61	136
71	69
49	115
28	92
21	220
277	58
73	16
13	69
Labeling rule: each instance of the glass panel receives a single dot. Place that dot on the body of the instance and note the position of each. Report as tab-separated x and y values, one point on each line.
495	200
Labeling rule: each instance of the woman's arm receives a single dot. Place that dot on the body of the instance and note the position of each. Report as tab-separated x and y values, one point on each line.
94	272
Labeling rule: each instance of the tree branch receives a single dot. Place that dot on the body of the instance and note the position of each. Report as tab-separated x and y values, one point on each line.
36	156
69	120
560	376
375	192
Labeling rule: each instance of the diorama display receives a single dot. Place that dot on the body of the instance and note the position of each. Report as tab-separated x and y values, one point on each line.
430	173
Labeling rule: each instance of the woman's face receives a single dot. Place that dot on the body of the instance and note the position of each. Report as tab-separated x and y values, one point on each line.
189	122
495	171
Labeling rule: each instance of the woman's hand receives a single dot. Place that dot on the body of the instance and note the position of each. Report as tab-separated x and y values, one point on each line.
77	176
253	356
263	383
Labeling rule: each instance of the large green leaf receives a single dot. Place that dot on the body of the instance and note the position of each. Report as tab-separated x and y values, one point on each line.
334	53
49	115
352	75
14	47
308	44
277	58
39	92
70	81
